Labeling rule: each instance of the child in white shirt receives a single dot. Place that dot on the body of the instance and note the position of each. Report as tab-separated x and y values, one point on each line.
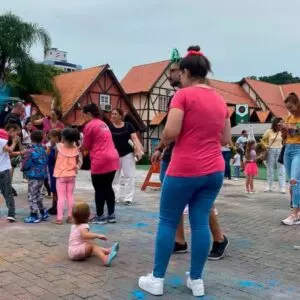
237	164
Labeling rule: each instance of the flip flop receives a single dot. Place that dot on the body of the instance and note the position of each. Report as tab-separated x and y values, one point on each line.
115	247
110	258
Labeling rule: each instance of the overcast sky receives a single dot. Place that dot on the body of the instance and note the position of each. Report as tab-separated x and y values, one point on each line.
241	38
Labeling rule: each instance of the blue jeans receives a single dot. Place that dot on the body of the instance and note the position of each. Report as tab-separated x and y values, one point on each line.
199	193
163	169
292	166
237	171
227	156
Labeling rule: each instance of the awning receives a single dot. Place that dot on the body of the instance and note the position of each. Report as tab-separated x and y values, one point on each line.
158	118
258	128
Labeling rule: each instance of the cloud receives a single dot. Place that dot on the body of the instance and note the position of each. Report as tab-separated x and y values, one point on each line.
241	38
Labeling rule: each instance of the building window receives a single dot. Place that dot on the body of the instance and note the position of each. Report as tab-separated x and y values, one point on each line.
104	99
163	103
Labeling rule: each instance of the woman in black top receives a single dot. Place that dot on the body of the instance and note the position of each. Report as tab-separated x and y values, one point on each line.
128	146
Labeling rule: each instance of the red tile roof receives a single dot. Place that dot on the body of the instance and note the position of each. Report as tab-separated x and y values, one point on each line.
233	93
142	78
43	102
71	87
271	94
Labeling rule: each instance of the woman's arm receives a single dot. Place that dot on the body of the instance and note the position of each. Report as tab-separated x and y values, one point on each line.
136	142
265	139
226	136
173	126
38	122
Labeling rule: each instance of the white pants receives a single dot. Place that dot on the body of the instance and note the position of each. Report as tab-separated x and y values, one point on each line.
127	165
272	164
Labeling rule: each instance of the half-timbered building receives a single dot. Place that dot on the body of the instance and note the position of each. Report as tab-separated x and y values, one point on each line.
96	85
149	91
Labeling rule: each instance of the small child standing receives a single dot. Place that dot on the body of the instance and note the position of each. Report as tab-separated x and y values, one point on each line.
80	246
34	166
54	138
251	169
65	171
11	131
26	140
237	164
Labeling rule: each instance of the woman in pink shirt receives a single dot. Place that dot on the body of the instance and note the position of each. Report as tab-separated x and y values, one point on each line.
50	122
199	123
97	139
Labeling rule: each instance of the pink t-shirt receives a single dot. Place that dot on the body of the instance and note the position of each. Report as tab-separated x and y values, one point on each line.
97	139
75	237
197	150
47	127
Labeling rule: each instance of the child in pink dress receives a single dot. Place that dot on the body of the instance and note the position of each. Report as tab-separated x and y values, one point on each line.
65	171
80	246
251	169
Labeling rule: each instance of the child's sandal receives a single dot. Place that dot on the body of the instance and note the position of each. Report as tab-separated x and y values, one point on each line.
70	220
58	222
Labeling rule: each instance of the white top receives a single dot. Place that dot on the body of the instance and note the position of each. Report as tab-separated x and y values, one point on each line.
241	141
4	157
237	160
26	140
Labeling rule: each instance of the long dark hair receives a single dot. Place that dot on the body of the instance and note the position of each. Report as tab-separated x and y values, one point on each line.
275	123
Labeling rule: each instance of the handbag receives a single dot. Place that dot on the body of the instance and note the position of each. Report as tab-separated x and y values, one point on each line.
281	155
264	154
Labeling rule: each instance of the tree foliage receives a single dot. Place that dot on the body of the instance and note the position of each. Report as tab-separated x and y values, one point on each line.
17	68
279	78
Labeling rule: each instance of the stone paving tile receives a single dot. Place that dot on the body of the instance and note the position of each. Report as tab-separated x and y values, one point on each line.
261	262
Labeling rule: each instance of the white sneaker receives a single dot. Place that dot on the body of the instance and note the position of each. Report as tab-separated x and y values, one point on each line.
282	191
235	179
268	190
152	285
197	286
291	220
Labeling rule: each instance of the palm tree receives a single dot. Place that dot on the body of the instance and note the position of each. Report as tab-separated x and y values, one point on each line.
17	68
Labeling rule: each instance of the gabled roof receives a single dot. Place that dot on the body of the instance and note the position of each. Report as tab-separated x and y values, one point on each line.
141	79
271	94
233	93
71	87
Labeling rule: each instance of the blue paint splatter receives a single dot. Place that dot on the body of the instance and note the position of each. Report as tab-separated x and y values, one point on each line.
174	281
98	228
250	284
140	225
272	283
138	294
243	243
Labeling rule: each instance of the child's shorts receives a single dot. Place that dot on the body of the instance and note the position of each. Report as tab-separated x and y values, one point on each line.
77	252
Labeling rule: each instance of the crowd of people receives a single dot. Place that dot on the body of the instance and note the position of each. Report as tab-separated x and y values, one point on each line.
50	155
194	153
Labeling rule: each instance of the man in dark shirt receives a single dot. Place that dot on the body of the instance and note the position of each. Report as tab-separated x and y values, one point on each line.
15	115
164	154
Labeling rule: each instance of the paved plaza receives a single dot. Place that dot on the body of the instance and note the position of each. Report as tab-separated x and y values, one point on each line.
262	261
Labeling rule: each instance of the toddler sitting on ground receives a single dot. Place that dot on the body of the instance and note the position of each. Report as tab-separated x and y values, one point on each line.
80	245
